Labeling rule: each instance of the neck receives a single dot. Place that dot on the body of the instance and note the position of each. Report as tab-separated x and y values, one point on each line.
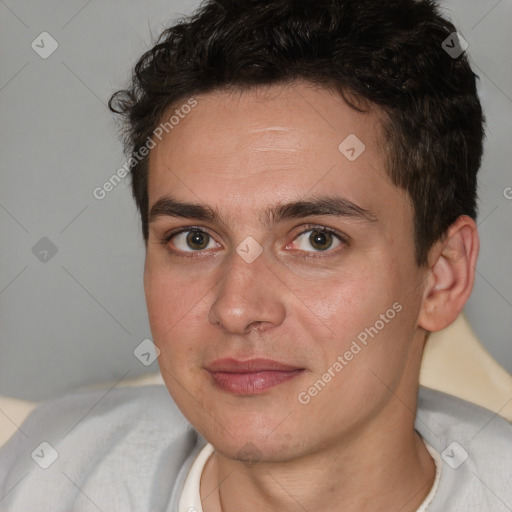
385	468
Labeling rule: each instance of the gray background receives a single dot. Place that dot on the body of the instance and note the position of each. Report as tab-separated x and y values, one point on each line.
76	318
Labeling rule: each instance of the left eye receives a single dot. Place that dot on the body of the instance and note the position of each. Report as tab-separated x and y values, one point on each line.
319	239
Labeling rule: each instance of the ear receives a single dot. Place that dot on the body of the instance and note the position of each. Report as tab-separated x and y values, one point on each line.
452	262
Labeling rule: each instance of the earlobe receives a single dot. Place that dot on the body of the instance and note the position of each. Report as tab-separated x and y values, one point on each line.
451	275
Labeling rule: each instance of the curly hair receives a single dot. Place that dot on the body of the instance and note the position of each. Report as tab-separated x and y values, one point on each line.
389	54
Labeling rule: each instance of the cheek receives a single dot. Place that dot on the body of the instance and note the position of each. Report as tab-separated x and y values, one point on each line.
365	317
347	301
172	299
173	302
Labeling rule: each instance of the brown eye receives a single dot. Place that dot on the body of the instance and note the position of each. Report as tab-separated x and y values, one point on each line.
320	240
317	240
190	240
197	240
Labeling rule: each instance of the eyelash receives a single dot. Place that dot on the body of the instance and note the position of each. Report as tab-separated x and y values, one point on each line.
309	227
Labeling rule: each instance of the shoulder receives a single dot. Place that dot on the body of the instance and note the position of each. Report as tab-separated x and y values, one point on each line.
449	414
475	445
96	441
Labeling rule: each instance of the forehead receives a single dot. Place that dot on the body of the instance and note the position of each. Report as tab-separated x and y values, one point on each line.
240	150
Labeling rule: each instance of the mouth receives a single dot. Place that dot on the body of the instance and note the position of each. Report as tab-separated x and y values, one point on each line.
250	377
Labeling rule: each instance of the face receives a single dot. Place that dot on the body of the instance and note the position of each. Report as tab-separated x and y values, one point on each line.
302	253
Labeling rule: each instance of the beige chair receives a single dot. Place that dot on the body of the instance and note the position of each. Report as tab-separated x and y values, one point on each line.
454	362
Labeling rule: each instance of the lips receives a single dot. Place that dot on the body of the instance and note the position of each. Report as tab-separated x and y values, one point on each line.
250	377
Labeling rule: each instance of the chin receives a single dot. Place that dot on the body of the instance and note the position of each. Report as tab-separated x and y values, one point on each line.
249	442
255	449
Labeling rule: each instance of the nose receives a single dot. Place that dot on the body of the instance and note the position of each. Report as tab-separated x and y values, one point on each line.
249	297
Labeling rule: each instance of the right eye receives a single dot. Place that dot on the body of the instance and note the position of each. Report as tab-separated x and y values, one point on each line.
190	240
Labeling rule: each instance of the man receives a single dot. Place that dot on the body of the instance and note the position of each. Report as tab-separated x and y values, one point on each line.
306	177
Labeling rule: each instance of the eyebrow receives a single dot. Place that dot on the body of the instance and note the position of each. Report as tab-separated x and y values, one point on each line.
335	206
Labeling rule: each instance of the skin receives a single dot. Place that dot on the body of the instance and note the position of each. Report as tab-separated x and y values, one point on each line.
353	447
